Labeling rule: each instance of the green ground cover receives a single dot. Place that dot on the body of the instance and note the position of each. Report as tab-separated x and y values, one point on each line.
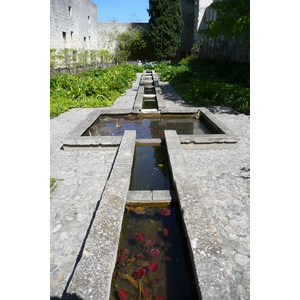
52	182
199	82
94	88
205	83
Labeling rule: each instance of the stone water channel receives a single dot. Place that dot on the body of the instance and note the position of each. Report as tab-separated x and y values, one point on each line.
84	241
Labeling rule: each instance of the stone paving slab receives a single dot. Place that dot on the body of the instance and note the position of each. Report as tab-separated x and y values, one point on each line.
156	196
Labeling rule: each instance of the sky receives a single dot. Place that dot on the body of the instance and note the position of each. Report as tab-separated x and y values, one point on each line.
122	10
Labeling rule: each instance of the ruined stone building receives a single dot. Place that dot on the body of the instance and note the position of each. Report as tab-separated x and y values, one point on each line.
74	24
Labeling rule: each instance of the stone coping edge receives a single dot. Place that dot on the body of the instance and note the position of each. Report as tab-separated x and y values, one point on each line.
206	251
75	140
147	196
93	274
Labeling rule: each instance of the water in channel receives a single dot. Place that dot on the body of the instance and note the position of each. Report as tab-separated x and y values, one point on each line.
153	260
151	126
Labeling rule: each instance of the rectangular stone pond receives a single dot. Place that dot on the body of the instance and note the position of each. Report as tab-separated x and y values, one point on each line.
149	126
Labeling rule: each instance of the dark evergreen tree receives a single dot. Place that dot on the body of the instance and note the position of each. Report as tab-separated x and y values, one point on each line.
165	27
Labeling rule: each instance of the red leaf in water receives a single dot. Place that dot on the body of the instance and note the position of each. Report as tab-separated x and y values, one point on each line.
154	252
153	267
157	281
165	212
146	293
140	236
167	258
165	231
139	273
122	294
139	256
159	297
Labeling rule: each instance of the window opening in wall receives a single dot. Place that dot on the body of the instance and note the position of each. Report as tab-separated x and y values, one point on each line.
70	11
89	19
90	39
84	39
64	34
72	35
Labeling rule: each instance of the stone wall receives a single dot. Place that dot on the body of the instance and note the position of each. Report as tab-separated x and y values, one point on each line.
222	49
73	24
188	17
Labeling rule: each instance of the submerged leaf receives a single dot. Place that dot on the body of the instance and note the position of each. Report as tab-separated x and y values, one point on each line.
146	293
140	236
165	212
149	243
139	273
159	297
122	294
165	231
126	251
157	281
167	258
154	252
153	267
138	210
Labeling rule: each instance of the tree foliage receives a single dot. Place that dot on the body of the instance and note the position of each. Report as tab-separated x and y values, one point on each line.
131	45
233	22
165	27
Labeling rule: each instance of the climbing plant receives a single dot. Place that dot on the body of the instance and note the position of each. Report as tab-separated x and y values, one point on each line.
132	44
232	22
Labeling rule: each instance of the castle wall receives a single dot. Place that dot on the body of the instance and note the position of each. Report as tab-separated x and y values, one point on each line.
200	10
188	16
73	24
193	15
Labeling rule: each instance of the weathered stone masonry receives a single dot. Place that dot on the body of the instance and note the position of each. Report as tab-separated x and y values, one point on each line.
74	24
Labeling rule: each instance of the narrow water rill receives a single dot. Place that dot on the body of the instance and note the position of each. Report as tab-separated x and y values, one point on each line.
150	170
153	261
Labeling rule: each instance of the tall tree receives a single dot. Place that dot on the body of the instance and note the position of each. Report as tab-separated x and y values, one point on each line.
233	21
165	27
